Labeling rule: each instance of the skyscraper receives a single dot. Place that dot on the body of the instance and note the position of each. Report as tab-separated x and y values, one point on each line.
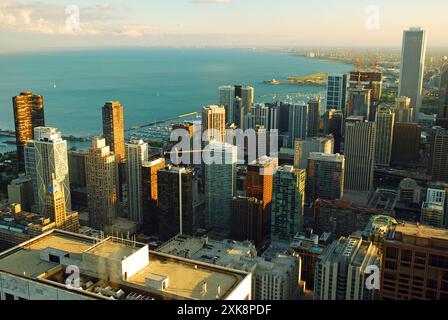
406	144
439	154
44	156
28	114
238	101
248	221
403	110
359	155
359	102
413	266
288	201
372	80
56	210
150	194
412	67
259	184
214	121
136	155
102	185
337	85
220	182
333	120
298	122
385	122
341	270
227	99
175	201
325	178
442	115
314	110
246	93
303	148
113	128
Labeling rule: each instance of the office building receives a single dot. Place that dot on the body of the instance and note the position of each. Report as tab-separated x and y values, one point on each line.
372	80
28	111
227	99
314	115
409	191
442	114
111	269
343	269
20	191
44	156
308	246
102	185
333	121
150	194
403	110
342	217
325	179
56	210
304	147
360	140
220	182
214	122
413	266
432	215
288	200
412	67
439	155
385	122
337	85
359	100
406	144
113	128
175	193
136	155
298	122
77	168
249	221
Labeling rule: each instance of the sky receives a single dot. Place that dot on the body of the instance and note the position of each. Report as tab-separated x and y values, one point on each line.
40	24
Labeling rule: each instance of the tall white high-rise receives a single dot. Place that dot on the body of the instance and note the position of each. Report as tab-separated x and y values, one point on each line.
412	67
220	182
136	154
44	156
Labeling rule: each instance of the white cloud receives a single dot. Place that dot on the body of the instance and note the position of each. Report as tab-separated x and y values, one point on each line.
41	18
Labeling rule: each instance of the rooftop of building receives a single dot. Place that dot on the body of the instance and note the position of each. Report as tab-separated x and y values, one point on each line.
352	250
185	278
16	220
432	206
383	199
228	253
326	157
418	230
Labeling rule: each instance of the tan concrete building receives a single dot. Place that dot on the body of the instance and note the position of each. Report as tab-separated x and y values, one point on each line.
102	185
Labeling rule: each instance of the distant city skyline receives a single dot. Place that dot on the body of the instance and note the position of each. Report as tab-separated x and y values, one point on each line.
46	24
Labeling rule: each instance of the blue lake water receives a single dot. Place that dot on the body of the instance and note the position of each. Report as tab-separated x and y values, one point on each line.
151	83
